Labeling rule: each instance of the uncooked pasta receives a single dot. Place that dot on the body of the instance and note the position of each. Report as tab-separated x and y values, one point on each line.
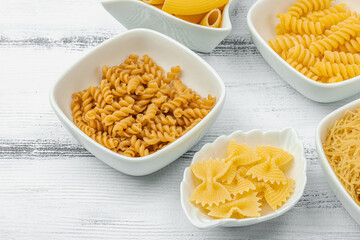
137	109
342	149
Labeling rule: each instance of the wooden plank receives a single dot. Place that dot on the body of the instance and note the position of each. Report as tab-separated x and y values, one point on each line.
52	188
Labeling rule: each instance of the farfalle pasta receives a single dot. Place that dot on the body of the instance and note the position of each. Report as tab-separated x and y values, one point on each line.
319	40
138	109
239	185
203	12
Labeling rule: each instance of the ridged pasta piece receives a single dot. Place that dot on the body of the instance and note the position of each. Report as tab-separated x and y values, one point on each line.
241	154
302	69
239	185
328	69
280	156
285	42
209	192
277	195
230	173
299	26
212	18
351	46
190	7
333	41
342	57
316	15
139	146
246	205
334	18
303	55
104	139
85	128
153	2
268	172
192	18
303	7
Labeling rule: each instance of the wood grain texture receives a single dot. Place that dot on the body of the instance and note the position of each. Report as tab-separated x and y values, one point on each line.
52	188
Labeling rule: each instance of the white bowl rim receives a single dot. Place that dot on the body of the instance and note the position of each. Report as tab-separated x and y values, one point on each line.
293	70
323	159
226	13
247	221
150	157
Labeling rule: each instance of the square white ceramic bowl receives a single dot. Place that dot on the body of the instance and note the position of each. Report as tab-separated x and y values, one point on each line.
321	134
286	139
137	14
262	22
166	52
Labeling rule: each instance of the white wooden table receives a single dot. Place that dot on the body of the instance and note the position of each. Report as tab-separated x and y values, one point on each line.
52	188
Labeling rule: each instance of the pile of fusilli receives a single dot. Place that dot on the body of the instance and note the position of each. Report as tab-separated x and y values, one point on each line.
319	40
138	110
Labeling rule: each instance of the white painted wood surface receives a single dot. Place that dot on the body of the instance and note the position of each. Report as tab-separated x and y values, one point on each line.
52	188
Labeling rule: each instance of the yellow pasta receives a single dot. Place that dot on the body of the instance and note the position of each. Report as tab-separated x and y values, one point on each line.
247	205
342	149
320	41
210	191
206	13
212	19
191	7
192	18
228	188
154	2
132	112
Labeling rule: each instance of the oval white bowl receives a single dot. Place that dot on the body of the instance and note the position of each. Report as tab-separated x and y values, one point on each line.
262	22
137	14
166	52
321	134
286	139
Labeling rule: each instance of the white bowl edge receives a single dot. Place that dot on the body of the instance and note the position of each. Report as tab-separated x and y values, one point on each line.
195	36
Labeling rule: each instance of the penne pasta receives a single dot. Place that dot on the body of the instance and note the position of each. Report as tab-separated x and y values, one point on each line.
192	18
191	7
154	2
212	19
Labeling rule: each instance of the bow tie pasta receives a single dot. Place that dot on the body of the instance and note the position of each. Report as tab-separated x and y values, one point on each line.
240	185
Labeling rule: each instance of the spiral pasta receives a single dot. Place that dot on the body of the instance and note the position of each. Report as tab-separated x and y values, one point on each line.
137	109
320	41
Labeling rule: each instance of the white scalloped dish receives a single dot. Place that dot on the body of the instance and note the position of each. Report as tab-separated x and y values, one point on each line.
286	139
262	22
137	14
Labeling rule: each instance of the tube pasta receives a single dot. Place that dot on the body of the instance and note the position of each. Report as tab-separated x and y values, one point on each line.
206	13
212	18
154	2
192	18
190	7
